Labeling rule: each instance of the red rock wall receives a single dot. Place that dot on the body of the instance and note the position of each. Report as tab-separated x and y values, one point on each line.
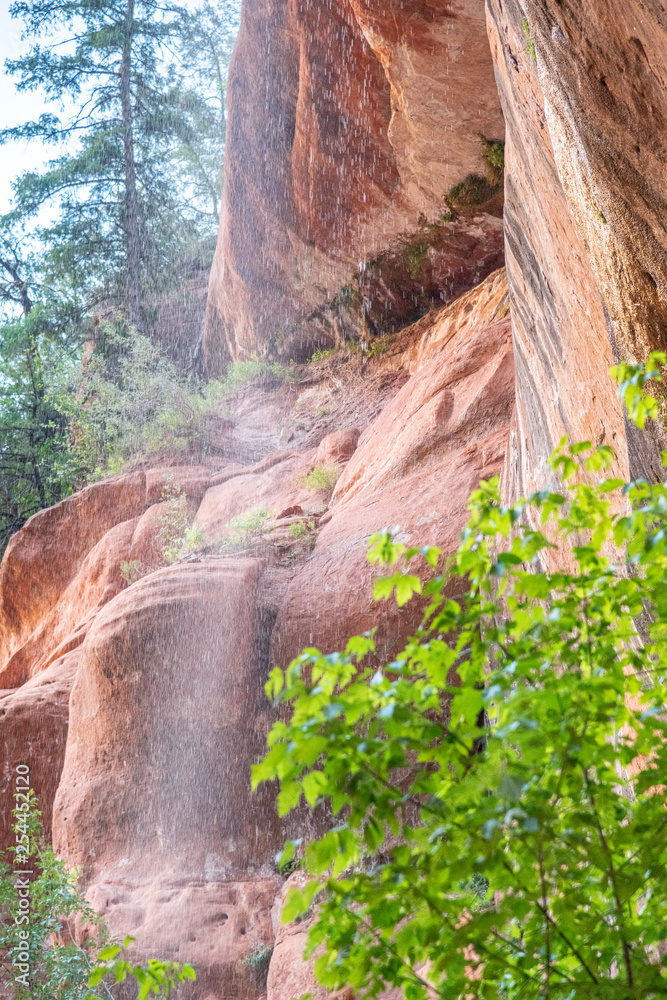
586	245
347	119
147	776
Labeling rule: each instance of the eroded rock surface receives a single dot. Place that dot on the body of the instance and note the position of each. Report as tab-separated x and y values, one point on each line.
586	177
45	556
354	120
167	711
414	468
33	732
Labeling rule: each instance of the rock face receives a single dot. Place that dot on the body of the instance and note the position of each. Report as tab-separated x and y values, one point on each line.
414	468
33	732
46	556
154	803
347	119
585	105
147	777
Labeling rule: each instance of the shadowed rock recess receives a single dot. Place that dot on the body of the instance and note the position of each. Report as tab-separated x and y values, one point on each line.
133	687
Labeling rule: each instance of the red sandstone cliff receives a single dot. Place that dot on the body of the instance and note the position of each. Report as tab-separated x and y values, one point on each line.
145	777
584	214
347	120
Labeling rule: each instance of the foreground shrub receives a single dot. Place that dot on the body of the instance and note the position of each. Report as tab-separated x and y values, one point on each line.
40	911
499	787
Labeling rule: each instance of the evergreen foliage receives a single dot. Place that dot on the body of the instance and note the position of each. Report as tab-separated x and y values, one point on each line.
127	205
498	789
137	177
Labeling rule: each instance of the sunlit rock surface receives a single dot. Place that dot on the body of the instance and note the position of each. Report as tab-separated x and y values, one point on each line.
347	119
151	771
586	175
45	557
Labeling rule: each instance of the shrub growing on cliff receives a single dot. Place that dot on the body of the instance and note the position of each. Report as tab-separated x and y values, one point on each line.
41	909
472	190
321	479
128	402
179	537
256	372
499	788
475	189
493	154
246	528
258	962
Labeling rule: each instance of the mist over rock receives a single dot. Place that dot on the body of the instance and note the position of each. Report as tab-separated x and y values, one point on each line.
349	122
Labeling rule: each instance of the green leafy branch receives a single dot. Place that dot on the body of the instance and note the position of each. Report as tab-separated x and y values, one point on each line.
155	976
496	790
631	379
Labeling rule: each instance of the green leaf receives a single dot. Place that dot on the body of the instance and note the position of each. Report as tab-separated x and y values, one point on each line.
406	586
108	953
480	768
298	902
288	797
314	785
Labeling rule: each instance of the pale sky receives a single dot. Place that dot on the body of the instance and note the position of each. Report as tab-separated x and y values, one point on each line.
18	108
14	109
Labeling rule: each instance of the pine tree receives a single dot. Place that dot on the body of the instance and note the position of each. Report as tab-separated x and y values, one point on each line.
133	180
127	206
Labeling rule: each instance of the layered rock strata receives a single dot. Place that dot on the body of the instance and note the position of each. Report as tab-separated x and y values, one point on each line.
347	120
582	86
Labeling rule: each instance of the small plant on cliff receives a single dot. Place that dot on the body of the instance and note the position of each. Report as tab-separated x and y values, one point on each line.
41	911
530	43
301	529
321	354
493	154
132	570
321	479
475	189
247	528
258	962
379	346
179	537
414	255
256	372
472	190
349	297
498	788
